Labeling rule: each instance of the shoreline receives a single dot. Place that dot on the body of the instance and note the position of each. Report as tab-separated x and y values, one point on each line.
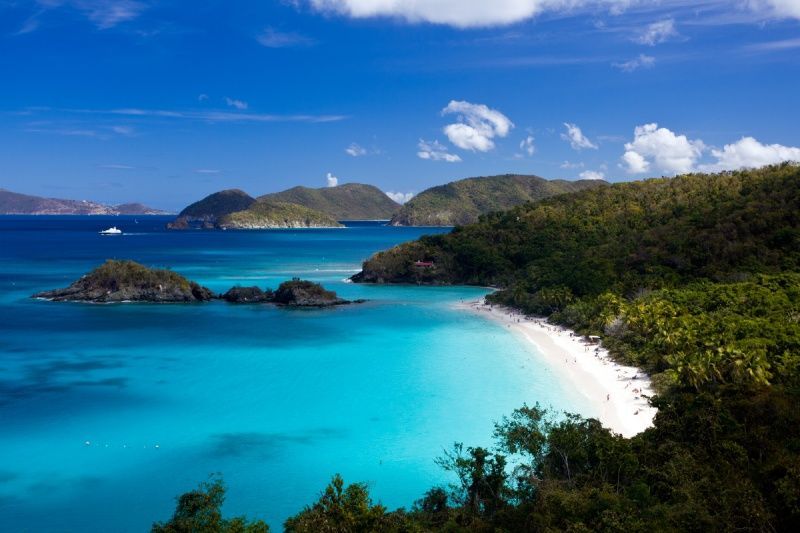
619	393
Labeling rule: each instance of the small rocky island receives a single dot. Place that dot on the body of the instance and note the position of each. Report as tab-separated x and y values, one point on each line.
128	281
293	293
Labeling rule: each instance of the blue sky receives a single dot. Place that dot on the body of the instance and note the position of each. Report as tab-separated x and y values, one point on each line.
164	102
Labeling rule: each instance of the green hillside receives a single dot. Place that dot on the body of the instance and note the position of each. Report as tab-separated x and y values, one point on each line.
267	214
206	212
462	202
351	201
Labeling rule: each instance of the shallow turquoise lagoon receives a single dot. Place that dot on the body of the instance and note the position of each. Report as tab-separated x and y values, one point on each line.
107	412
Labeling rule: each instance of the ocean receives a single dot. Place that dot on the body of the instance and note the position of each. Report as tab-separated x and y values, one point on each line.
108	412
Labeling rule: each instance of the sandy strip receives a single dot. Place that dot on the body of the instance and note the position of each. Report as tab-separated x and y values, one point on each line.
618	393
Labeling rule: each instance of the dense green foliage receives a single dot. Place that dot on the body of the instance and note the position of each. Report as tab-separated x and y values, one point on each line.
303	292
200	511
270	214
722	461
116	281
351	201
463	201
114	274
219	204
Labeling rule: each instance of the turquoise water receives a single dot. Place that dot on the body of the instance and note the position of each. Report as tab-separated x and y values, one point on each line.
107	412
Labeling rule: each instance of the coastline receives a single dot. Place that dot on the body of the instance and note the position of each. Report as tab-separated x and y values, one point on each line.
619	393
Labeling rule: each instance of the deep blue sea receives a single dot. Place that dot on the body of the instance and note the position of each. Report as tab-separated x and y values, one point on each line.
107	412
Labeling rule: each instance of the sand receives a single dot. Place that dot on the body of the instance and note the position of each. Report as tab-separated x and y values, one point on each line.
619	394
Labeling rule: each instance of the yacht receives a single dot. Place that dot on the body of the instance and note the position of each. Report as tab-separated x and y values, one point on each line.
113	230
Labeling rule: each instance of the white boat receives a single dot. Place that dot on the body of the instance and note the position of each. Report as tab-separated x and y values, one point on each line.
113	230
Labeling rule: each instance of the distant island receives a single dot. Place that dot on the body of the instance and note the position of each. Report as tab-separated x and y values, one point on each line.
128	281
13	203
463	201
235	209
299	207
456	203
351	201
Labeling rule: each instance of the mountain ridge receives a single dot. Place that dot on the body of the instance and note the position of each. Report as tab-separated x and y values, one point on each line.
463	201
14	203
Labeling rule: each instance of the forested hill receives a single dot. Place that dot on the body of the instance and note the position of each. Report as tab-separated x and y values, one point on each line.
350	201
463	201
626	236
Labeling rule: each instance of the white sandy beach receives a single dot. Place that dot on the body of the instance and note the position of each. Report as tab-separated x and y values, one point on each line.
619	393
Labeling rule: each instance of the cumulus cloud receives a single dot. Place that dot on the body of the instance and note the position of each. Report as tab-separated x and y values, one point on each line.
657	33
400	197
331	180
643	61
238	104
576	138
476	127
435	151
569	165
527	146
670	153
592	175
665	151
272	38
355	150
635	162
747	152
458	13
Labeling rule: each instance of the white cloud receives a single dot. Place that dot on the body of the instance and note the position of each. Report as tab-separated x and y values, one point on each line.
747	152
104	14
636	163
459	13
435	151
576	138
527	146
476	127
643	61
272	38
117	167
355	150
400	197
331	180
568	165
123	130
592	175
238	104
202	97
776	8
207	171
657	32
205	116
668	152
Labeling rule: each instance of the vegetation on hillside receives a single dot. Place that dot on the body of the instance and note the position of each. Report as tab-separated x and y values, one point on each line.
268	214
117	281
463	201
351	201
219	204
